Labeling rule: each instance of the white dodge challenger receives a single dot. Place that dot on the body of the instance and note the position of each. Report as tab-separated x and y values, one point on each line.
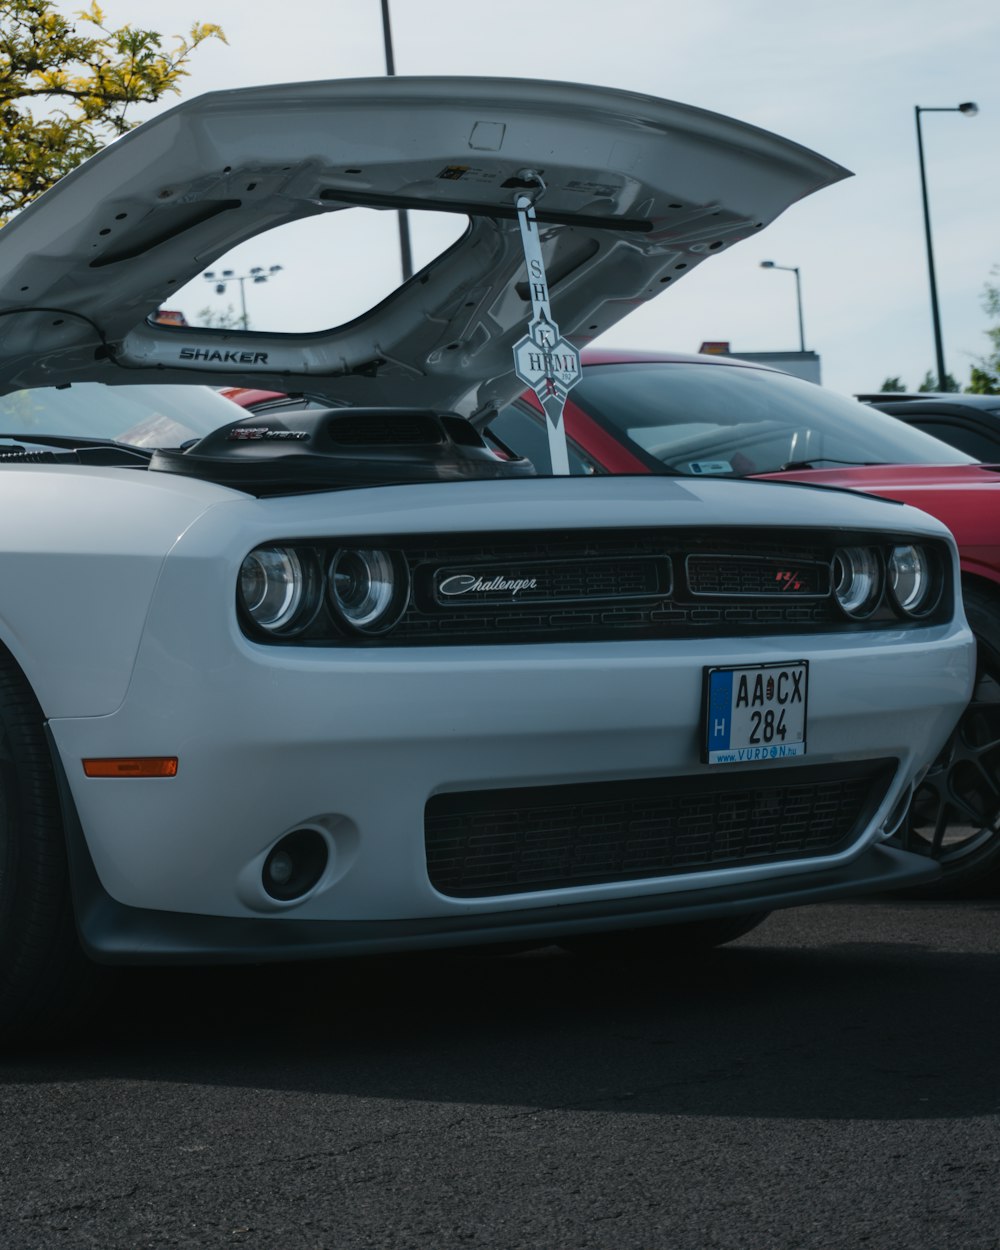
351	680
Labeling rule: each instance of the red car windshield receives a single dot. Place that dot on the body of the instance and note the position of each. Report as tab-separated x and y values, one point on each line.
728	421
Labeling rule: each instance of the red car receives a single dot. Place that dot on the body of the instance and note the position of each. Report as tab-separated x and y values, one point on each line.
640	412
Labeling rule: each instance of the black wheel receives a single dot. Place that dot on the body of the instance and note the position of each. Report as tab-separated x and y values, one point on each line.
663	941
955	814
43	972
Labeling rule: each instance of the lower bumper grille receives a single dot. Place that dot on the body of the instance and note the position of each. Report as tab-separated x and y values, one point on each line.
492	842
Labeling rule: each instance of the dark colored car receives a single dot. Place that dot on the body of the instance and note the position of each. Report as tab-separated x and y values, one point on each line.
712	416
969	422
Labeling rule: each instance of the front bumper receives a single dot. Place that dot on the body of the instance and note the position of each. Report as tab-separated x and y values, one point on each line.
112	933
354	742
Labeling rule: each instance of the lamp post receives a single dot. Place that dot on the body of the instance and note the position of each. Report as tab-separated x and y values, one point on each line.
769	264
405	252
225	276
970	110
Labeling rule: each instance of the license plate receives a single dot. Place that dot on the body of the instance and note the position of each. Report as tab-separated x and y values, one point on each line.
756	713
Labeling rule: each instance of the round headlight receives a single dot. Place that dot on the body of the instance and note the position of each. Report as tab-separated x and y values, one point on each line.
912	583
369	588
857	580
279	589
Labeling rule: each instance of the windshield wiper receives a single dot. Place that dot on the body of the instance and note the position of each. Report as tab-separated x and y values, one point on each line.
818	463
78	450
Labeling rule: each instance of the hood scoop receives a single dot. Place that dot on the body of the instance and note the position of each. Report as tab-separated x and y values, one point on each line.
331	449
382	429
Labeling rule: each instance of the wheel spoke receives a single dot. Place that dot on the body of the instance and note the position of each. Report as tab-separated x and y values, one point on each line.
971	718
940	825
985	748
989	778
962	807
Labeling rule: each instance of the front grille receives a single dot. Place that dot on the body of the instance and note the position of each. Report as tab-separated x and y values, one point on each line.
616	557
614	585
495	842
723	576
544	581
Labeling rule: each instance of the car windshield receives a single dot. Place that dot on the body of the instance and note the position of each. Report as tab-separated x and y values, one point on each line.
144	416
729	421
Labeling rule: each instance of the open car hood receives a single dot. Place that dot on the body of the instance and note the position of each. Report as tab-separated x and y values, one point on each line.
634	192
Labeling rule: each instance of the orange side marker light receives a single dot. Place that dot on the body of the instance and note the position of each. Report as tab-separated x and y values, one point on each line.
140	766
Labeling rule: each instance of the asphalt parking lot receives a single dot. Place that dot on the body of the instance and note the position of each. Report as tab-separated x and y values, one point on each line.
832	1080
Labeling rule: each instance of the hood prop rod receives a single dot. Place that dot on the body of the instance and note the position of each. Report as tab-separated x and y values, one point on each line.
544	361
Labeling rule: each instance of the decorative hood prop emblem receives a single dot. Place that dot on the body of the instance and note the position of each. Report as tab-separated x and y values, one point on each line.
543	359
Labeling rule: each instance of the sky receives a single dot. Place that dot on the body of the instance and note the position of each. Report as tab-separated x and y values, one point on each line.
842	79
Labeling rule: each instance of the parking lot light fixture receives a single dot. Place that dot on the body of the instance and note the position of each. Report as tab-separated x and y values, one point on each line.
256	274
969	109
769	264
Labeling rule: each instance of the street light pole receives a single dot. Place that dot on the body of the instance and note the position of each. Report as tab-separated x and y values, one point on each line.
405	253
769	264
243	301
970	110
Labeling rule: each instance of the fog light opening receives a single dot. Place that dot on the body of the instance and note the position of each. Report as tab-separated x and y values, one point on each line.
295	864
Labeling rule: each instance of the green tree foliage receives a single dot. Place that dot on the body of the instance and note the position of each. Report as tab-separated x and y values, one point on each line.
982	382
986	371
984	376
930	383
66	86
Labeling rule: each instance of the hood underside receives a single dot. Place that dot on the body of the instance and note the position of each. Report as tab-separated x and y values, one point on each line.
630	192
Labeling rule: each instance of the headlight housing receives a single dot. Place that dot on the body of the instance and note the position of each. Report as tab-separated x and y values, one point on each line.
858	580
913	579
279	589
306	592
368	588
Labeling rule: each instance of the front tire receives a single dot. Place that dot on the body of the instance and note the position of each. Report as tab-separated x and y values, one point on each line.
43	972
955	813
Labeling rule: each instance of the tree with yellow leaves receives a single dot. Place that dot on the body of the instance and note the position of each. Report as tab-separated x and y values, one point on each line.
66	85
